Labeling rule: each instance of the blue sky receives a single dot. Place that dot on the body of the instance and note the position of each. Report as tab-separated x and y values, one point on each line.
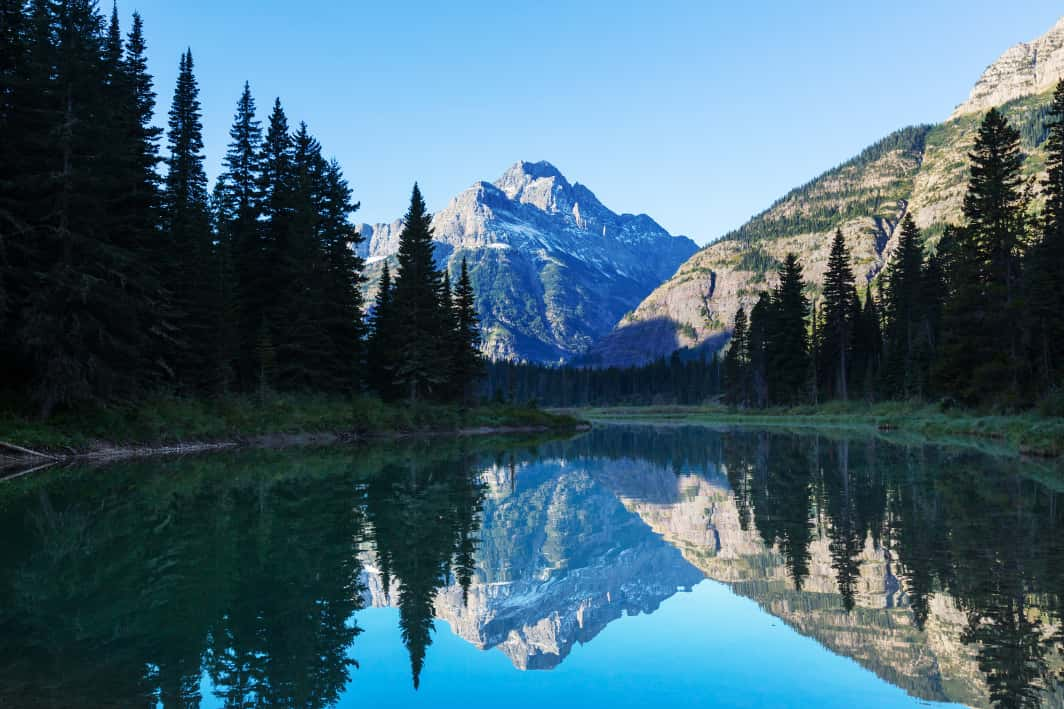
699	114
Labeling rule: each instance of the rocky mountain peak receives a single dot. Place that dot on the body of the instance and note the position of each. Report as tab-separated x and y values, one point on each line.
539	184
1024	69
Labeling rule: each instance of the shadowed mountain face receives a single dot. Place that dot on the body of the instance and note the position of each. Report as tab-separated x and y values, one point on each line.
921	170
554	269
241	578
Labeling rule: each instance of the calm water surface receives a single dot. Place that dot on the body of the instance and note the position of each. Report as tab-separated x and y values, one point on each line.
629	567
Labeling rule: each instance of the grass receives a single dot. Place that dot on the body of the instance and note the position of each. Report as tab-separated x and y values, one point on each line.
1027	433
171	420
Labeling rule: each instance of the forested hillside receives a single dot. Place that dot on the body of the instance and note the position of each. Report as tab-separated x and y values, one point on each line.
920	170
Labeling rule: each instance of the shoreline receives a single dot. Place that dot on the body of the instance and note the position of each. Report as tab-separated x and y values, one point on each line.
1026	435
11	458
172	425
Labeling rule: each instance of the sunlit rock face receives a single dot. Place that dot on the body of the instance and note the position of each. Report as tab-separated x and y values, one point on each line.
921	170
553	268
1024	69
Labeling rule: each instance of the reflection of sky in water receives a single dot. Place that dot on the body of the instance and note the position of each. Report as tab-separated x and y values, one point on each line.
704	648
261	562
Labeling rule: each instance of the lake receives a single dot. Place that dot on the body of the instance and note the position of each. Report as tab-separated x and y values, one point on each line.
632	566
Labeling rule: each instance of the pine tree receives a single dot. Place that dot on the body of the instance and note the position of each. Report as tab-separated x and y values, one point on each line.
240	208
15	242
128	163
81	323
188	239
446	337
762	320
978	357
735	362
342	307
868	346
468	361
1044	266
837	332
380	347
416	306
303	343
903	370
788	343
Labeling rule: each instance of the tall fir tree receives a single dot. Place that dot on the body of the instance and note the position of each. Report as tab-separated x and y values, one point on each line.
189	242
868	347
905	366
735	361
788	342
382	340
981	341
342	307
468	363
836	336
239	227
1044	267
416	306
81	323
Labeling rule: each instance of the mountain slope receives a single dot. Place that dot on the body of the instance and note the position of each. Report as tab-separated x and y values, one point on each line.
921	169
553	268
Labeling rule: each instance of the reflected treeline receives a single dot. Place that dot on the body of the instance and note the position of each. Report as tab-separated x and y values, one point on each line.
425	518
955	522
241	575
127	586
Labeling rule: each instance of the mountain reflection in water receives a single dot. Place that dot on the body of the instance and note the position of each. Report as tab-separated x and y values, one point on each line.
239	579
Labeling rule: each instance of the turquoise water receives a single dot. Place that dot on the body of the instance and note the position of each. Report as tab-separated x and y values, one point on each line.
631	566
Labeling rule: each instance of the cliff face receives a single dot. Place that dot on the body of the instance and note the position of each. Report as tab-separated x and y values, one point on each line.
922	170
1025	69
553	268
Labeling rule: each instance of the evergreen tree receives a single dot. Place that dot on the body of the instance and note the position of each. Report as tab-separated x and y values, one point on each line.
1044	266
868	346
735	362
787	348
762	320
80	325
416	306
468	363
188	238
342	306
239	207
980	339
838	324
905	366
380	348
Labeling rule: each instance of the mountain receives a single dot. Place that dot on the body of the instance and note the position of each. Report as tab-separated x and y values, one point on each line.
920	169
553	268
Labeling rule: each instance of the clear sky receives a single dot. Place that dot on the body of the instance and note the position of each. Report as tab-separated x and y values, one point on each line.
698	113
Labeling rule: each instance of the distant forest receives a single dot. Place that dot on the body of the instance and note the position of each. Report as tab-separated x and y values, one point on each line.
978	321
122	274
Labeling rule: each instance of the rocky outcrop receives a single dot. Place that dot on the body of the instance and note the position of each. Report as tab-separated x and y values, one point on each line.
1023	70
553	268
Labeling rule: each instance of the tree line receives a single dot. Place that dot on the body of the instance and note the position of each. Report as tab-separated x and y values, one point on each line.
122	274
687	379
978	320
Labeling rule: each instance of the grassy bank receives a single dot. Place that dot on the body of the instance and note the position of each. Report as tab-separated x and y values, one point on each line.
171	420
1029	433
